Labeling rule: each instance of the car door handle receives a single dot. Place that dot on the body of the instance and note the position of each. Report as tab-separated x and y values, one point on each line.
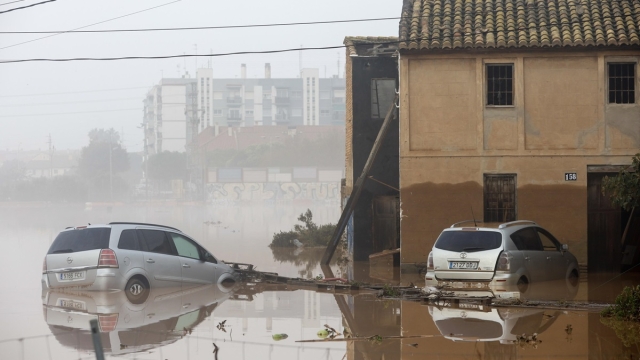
548	257
186	305
150	261
526	258
185	266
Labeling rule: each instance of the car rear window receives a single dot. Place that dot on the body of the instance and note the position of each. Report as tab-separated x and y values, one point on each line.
80	240
469	241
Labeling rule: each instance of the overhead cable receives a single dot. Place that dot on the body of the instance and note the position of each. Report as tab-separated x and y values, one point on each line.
82	27
28	6
205	27
10	2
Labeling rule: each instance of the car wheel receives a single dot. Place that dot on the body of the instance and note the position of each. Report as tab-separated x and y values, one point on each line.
574	278
522	284
137	290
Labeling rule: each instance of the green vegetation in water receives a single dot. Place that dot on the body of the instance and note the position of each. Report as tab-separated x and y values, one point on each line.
278	337
627	331
624	188
626	306
309	234
390	291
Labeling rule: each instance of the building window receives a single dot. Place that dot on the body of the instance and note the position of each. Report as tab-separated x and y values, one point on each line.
217	112
383	91
266	95
325	112
248	112
296	94
622	81
499	198
500	85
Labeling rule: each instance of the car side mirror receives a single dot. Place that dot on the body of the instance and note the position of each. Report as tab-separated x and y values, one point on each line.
565	247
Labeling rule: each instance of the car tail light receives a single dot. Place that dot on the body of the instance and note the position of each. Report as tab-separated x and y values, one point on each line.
107	258
430	262
108	322
504	264
44	266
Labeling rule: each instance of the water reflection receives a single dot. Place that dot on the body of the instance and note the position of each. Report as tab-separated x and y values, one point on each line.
166	316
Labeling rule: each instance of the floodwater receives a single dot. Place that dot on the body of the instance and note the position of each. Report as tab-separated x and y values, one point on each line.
240	323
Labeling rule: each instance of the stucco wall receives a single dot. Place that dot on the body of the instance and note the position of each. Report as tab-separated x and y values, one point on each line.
560	123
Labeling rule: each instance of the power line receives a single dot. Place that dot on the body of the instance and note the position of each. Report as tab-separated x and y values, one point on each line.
535	27
74	92
176	56
11	2
207	27
70	102
70	113
28	6
82	27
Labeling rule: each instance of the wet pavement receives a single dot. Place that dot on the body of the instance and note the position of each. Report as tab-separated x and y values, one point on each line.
192	323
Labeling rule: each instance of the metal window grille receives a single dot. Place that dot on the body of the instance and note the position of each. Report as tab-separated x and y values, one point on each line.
500	85
622	79
499	198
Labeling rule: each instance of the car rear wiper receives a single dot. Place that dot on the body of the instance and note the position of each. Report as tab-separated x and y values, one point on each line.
473	248
61	251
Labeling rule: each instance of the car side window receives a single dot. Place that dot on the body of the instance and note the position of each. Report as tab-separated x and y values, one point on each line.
128	240
548	243
527	239
185	247
157	241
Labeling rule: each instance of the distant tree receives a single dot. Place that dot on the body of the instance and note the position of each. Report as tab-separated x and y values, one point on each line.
168	165
104	135
103	153
624	188
12	171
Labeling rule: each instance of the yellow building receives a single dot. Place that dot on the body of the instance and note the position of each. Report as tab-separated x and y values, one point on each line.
516	109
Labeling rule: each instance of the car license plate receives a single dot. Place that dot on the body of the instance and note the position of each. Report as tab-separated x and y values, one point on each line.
70	276
77	305
472	265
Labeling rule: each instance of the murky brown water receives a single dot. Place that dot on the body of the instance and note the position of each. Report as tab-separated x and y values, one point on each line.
174	324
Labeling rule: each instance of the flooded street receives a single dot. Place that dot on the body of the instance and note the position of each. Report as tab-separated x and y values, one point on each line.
246	322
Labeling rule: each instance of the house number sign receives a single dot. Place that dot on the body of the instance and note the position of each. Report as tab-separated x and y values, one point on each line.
570	176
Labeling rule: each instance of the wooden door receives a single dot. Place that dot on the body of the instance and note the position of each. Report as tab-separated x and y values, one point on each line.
604	252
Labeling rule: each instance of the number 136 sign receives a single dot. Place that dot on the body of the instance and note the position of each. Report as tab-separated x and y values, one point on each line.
570	176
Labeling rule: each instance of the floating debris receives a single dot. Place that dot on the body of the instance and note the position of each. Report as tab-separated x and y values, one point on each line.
278	337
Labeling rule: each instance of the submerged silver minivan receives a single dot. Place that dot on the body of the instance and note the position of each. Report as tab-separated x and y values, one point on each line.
504	255
133	257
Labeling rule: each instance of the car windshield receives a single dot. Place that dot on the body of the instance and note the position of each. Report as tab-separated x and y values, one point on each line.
469	241
80	240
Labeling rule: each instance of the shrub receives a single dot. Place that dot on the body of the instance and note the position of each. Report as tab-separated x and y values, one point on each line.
309	234
626	306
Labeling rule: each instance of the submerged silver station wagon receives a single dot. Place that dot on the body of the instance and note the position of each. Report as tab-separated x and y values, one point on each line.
512	254
133	257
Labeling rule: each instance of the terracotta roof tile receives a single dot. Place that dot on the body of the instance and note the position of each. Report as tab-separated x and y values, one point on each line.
452	24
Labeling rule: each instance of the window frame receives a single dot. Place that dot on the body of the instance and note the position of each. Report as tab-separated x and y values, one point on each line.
145	246
484	194
622	61
199	248
382	112
555	241
508	62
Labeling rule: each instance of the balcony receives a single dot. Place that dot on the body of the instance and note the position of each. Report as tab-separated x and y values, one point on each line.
234	101
282	100
234	117
282	117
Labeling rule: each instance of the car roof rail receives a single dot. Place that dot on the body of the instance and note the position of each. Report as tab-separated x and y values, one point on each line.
139	223
517	222
464	222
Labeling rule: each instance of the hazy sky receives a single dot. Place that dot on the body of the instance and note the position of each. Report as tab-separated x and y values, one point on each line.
68	99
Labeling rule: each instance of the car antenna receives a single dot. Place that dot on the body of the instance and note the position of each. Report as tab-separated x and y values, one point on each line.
474	217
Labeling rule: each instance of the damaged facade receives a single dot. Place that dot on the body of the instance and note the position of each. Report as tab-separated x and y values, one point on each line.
514	109
371	82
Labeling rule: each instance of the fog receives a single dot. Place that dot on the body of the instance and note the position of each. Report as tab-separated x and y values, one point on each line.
81	96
